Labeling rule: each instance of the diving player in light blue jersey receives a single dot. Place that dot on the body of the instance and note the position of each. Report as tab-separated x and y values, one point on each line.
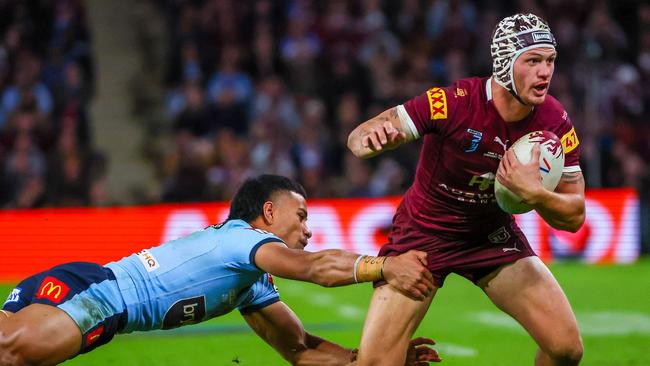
80	306
212	269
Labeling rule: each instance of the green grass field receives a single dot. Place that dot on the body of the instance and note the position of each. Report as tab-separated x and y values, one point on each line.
612	304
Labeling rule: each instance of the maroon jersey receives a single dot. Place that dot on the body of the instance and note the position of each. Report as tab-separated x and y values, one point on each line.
464	140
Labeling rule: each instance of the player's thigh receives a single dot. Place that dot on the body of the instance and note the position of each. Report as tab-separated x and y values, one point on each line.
39	334
527	291
391	321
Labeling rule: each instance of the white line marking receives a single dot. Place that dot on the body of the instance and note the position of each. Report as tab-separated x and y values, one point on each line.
602	323
322	299
350	311
450	349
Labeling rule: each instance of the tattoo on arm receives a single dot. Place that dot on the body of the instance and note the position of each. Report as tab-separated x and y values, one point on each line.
572	178
383	118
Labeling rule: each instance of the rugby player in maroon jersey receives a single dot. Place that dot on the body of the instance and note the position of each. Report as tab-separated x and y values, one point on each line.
450	210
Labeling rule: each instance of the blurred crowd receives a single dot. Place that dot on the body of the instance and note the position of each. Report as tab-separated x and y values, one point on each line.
275	86
253	86
46	82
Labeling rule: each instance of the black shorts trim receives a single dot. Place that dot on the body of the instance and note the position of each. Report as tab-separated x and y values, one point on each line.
254	308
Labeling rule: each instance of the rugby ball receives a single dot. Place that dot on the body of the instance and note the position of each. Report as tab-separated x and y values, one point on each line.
551	164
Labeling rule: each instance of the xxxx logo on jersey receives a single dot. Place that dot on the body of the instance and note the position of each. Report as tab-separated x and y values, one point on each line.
437	103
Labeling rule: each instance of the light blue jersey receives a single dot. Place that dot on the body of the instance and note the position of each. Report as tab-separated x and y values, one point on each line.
195	278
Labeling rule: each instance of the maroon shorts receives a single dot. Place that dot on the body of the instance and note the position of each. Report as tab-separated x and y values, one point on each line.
473	257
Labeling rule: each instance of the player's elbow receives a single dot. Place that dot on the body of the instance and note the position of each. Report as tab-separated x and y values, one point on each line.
571	224
578	221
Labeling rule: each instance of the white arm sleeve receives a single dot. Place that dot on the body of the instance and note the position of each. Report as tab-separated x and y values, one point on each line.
407	124
571	169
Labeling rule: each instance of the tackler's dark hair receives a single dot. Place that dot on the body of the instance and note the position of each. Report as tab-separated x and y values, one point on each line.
250	197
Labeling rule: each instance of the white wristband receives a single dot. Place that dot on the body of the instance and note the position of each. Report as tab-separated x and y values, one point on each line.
356	264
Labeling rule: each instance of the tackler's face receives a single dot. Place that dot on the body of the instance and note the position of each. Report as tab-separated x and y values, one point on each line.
290	219
533	71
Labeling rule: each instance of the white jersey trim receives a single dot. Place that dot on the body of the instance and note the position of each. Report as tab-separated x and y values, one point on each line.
488	89
571	169
407	124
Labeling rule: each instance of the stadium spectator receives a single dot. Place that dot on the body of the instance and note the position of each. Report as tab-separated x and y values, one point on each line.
230	92
24	173
46	83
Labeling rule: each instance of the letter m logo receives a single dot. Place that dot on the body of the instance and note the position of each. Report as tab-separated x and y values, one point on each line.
52	289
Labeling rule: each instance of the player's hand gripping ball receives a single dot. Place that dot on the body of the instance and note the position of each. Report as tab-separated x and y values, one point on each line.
551	164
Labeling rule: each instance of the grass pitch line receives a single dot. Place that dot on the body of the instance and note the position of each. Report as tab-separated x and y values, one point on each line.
322	299
602	323
344	310
614	323
351	312
450	349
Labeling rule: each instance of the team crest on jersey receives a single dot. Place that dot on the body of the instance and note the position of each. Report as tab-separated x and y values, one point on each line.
570	141
14	296
476	137
437	103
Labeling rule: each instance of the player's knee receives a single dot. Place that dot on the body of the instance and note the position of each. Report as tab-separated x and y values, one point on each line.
11	352
568	352
9	356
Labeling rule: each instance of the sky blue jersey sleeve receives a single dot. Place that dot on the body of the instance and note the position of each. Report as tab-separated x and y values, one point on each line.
264	293
243	243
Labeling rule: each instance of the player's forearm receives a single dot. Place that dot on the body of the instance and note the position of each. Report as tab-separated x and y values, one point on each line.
563	211
334	267
380	133
321	352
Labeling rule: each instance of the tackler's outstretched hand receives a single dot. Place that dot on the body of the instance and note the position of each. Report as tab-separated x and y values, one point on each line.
419	354
409	275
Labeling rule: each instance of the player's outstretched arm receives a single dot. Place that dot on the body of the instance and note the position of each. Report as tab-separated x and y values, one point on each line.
278	326
333	267
378	134
563	209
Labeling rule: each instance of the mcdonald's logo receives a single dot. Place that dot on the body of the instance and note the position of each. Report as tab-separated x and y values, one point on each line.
94	335
52	289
